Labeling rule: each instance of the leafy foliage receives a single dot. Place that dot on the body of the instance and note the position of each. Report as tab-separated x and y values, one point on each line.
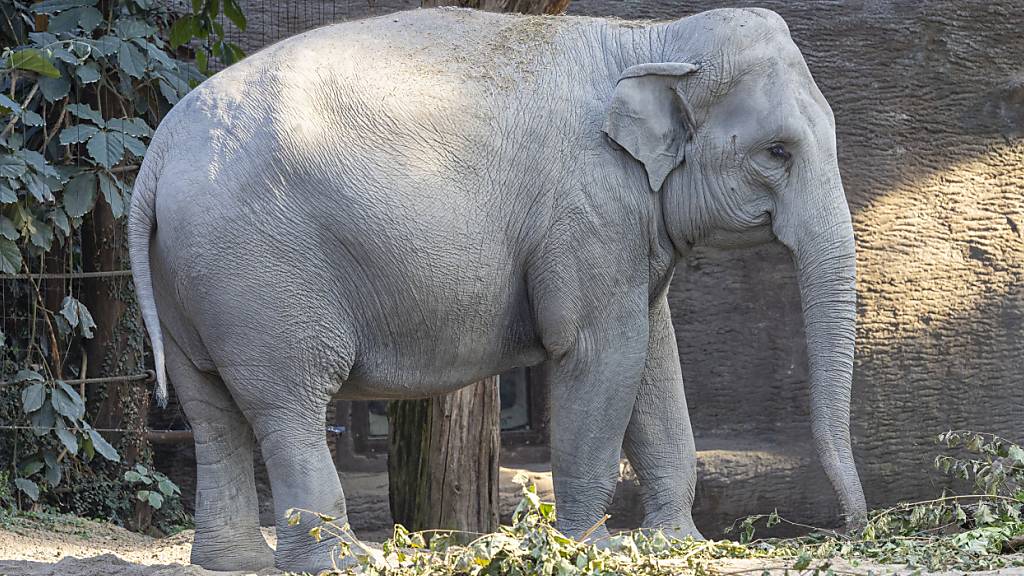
968	532
963	532
155	487
203	24
83	84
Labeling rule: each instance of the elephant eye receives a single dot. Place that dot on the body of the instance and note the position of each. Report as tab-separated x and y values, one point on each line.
779	151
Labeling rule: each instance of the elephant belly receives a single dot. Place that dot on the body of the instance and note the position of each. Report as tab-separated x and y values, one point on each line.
387	374
427	353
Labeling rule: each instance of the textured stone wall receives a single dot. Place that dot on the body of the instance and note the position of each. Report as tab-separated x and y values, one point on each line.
929	103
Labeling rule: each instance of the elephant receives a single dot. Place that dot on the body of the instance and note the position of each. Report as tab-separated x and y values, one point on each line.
400	206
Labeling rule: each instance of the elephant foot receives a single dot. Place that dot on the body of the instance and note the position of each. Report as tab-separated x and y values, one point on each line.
681	531
229	553
313	557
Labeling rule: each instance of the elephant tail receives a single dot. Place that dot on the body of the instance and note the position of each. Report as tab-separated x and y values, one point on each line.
141	226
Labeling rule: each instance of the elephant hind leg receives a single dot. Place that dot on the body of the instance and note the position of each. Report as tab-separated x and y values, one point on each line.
228	533
291	431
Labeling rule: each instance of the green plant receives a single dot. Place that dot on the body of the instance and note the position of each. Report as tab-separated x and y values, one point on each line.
154	486
7	501
203	24
966	532
83	84
954	531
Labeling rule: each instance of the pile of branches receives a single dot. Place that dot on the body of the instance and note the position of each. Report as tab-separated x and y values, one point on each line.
976	531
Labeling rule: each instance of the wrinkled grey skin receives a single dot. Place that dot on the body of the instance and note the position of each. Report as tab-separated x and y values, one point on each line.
397	207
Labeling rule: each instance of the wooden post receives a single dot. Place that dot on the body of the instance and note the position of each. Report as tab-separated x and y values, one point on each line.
443	460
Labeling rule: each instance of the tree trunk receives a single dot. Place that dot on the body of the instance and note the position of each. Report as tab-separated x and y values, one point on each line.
116	348
524	6
443	460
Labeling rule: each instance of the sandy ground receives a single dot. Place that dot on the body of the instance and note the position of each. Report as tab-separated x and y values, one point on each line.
70	546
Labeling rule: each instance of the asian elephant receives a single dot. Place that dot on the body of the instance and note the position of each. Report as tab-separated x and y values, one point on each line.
399	206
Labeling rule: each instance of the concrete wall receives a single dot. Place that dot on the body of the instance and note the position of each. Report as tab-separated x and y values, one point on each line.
929	103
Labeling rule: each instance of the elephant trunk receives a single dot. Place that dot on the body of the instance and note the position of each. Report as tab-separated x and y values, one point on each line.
826	267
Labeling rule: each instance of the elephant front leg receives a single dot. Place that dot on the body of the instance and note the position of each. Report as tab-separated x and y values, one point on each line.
659	440
592	393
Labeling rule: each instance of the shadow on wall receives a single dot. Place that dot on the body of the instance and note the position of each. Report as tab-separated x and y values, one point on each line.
929	104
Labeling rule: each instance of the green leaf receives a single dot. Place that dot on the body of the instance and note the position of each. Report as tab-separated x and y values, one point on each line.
9	104
1016	454
33	60
43	420
38	187
43	235
155	499
38	161
29	468
168	92
60	220
106	45
107	151
182	31
87	73
86	113
80	196
134	145
101	445
68	438
203	61
43	38
167	487
64	56
30	118
28	376
130	28
12	166
88	451
156	53
32	397
803	560
28	487
112	194
90	18
7	229
983	515
54	6
77	315
132	476
67	402
53	471
131	60
10	257
77	133
130	126
7	194
235	14
86	17
54	89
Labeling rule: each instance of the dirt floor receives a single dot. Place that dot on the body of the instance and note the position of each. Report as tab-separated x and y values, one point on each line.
70	546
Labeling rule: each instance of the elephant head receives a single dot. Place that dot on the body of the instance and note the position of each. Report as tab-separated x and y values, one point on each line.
739	144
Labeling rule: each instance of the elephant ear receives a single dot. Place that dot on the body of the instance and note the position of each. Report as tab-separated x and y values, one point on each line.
649	118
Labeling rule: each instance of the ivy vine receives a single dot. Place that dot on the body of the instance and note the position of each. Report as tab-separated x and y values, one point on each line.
83	85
